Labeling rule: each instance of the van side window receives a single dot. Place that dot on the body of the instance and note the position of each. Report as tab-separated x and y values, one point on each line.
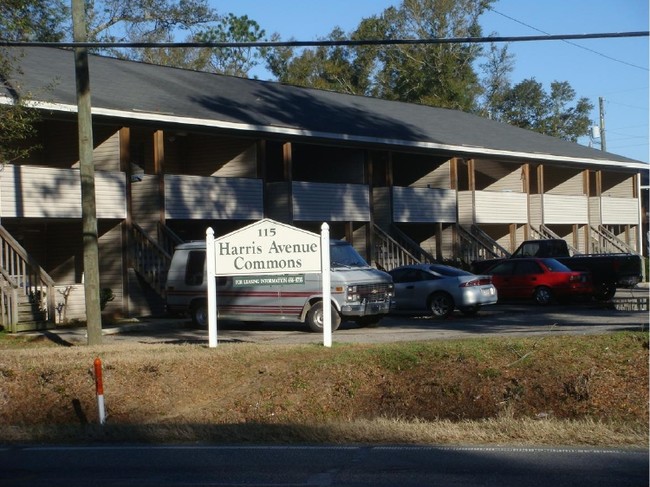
195	268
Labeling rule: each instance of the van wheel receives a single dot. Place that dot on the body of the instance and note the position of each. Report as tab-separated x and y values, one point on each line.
199	313
314	318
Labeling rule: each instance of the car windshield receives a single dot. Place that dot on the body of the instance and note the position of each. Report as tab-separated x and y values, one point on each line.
344	255
449	271
555	266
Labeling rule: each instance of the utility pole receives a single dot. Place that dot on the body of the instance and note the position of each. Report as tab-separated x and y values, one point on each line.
601	107
87	175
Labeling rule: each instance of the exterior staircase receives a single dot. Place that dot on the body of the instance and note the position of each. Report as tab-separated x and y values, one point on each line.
605	242
26	291
475	244
395	248
150	259
543	233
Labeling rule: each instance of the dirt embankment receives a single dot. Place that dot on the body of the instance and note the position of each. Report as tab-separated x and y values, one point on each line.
583	389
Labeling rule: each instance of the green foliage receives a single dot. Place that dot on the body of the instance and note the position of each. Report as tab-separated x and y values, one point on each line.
438	75
17	121
33	20
105	296
226	60
528	106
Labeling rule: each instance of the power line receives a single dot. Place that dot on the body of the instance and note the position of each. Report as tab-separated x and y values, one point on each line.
332	43
571	43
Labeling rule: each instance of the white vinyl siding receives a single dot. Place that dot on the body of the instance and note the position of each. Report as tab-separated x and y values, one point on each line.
210	198
465	207
330	202
502	207
424	205
562	209
619	211
45	192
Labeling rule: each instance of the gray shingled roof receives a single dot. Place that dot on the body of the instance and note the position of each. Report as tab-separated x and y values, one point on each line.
137	90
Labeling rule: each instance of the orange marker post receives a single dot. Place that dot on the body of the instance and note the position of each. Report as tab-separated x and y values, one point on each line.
99	388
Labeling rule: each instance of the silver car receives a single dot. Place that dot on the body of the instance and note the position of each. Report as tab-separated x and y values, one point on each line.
436	289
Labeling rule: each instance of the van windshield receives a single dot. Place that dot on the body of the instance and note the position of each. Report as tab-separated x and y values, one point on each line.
344	255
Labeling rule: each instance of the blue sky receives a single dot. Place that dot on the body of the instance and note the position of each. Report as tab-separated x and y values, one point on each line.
617	71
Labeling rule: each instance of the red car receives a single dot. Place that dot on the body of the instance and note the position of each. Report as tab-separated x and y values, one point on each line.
540	279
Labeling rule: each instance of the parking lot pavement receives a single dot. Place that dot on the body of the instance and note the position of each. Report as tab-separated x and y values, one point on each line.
511	319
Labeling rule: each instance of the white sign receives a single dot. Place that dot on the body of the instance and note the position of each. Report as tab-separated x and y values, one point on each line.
267	247
272	249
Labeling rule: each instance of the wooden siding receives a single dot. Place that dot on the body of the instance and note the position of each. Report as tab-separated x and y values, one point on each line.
330	202
424	205
66	250
506	207
45	192
566	182
617	185
563	209
620	211
210	198
106	155
381	204
110	267
438	177
145	203
277	202
203	155
497	176
535	210
511	181
594	211
327	164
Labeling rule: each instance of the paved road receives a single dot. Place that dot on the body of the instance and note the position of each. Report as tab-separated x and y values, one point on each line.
295	466
513	319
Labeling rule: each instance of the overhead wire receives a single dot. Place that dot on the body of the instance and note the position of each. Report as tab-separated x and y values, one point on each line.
569	42
328	43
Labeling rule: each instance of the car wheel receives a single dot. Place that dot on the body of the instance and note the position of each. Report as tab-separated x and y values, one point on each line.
441	305
470	310
542	295
314	318
605	291
199	314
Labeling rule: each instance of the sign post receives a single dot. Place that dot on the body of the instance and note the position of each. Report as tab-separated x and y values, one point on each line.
326	283
212	287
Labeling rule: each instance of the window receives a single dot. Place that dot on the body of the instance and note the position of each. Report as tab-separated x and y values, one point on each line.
195	268
528	267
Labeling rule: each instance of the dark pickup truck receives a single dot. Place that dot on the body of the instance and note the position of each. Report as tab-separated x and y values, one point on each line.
608	271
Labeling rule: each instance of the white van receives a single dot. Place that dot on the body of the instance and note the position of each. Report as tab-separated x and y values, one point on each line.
359	292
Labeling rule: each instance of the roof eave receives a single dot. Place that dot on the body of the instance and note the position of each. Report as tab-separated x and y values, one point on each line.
296	132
